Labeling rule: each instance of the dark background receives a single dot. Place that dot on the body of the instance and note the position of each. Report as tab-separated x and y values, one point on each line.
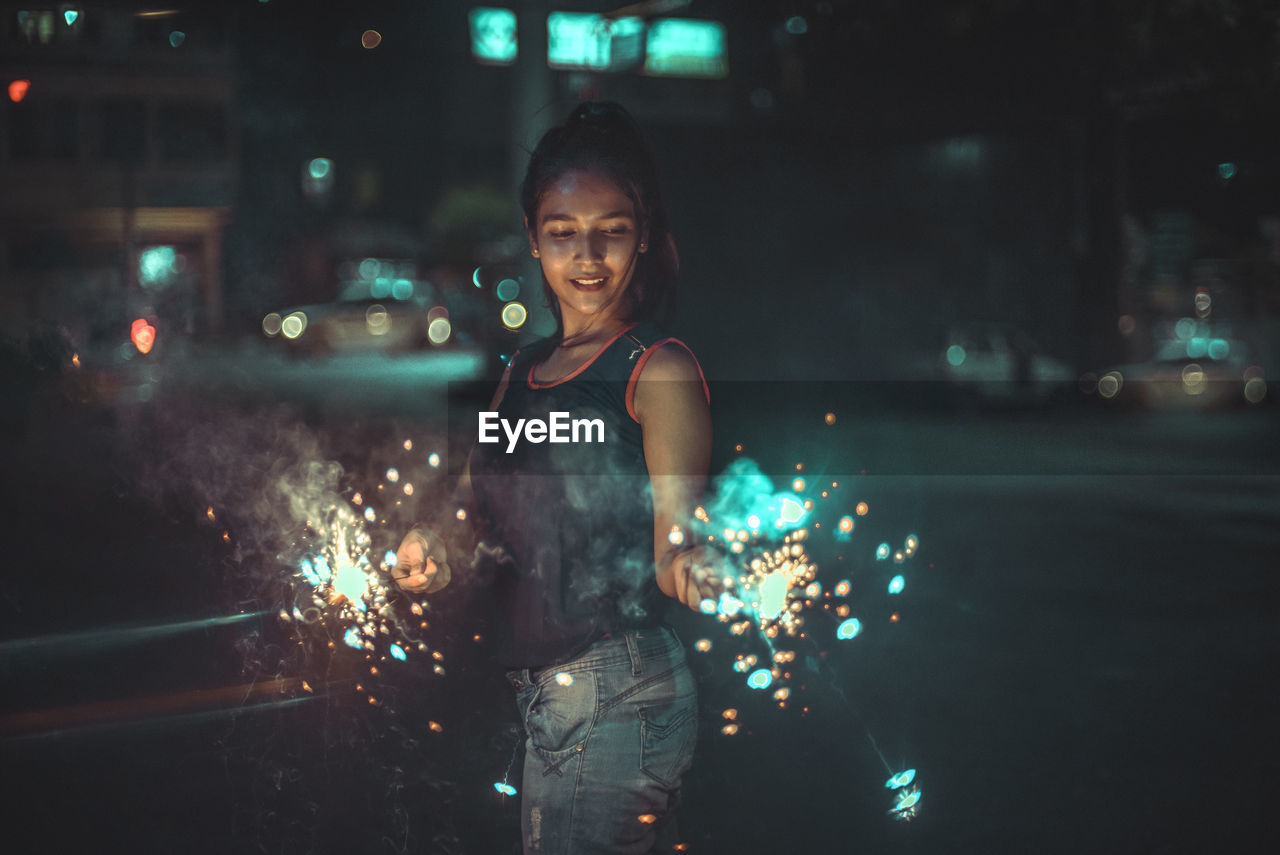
1084	655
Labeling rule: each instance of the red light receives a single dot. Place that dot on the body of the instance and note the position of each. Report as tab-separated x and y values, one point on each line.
18	90
143	335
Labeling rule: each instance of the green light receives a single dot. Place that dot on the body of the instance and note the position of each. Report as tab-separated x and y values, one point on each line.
157	266
797	25
955	355
1219	348
493	35
507	290
70	16
576	40
176	38
1226	171
319	167
682	47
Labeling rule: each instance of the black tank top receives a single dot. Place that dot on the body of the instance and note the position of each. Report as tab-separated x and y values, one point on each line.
571	520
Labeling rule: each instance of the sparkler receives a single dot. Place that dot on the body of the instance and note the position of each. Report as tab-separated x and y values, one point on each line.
772	586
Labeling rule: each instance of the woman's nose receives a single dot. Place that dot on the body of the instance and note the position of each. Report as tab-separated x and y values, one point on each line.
590	247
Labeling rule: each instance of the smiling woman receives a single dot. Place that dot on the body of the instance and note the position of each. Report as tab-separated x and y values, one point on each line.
578	528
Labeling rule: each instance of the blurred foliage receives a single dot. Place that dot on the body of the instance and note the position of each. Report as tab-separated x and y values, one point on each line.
466	220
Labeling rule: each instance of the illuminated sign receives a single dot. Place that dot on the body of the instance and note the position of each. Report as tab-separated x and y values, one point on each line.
681	47
493	36
581	41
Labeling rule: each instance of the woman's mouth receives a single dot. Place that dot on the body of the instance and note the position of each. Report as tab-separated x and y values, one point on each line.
594	284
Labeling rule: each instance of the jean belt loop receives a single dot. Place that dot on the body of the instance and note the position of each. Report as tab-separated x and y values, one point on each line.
633	650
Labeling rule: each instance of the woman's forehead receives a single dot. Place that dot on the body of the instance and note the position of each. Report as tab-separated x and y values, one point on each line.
578	193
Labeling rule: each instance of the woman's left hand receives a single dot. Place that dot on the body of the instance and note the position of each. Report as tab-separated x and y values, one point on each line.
701	574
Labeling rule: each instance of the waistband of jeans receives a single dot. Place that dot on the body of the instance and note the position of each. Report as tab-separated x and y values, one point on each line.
652	643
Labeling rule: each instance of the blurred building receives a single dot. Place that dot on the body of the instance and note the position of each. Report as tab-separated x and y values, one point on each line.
118	167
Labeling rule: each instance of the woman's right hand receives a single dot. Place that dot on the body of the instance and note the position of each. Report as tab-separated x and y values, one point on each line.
420	566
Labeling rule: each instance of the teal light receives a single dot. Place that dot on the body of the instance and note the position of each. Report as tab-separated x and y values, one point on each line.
797	25
901	779
380	288
577	40
760	679
70	16
684	47
1219	348
1226	171
773	595
319	167
791	512
493	35
176	38
849	629
505	788
882	551
157	266
896	584
955	355
507	290
1197	347
352	638
402	289
397	652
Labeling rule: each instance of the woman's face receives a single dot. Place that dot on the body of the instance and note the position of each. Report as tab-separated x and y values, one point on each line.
587	239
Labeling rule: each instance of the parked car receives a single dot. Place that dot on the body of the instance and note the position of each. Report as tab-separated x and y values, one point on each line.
998	363
364	324
1181	383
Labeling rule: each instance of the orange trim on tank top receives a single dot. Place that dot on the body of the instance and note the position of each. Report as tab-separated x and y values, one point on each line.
644	357
534	384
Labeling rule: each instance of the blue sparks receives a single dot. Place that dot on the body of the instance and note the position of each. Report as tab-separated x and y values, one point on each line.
849	629
397	652
882	552
505	788
729	604
901	779
389	559
352	638
791	512
309	572
896	584
773	596
760	679
907	805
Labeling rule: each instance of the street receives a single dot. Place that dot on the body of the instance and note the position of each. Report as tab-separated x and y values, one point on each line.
1083	657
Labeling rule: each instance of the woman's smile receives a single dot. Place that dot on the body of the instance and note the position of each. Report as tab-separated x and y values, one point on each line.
587	239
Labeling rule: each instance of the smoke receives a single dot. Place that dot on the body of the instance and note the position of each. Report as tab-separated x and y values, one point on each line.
270	484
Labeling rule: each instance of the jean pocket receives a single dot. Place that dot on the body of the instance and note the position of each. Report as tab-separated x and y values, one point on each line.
560	713
667	736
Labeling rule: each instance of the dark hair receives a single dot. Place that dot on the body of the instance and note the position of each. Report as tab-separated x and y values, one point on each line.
602	137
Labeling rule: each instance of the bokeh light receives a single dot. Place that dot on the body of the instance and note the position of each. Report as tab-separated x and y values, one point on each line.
514	314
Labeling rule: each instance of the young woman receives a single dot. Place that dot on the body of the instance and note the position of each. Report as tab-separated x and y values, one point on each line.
584	540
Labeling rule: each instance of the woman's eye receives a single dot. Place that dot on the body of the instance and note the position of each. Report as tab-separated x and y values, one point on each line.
561	234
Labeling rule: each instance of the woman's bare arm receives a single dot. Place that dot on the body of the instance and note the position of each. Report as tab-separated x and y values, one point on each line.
676	422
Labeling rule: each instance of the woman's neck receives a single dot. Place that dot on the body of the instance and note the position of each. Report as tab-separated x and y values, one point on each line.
590	333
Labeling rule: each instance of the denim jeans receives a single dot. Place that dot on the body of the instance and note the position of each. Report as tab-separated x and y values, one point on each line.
609	734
